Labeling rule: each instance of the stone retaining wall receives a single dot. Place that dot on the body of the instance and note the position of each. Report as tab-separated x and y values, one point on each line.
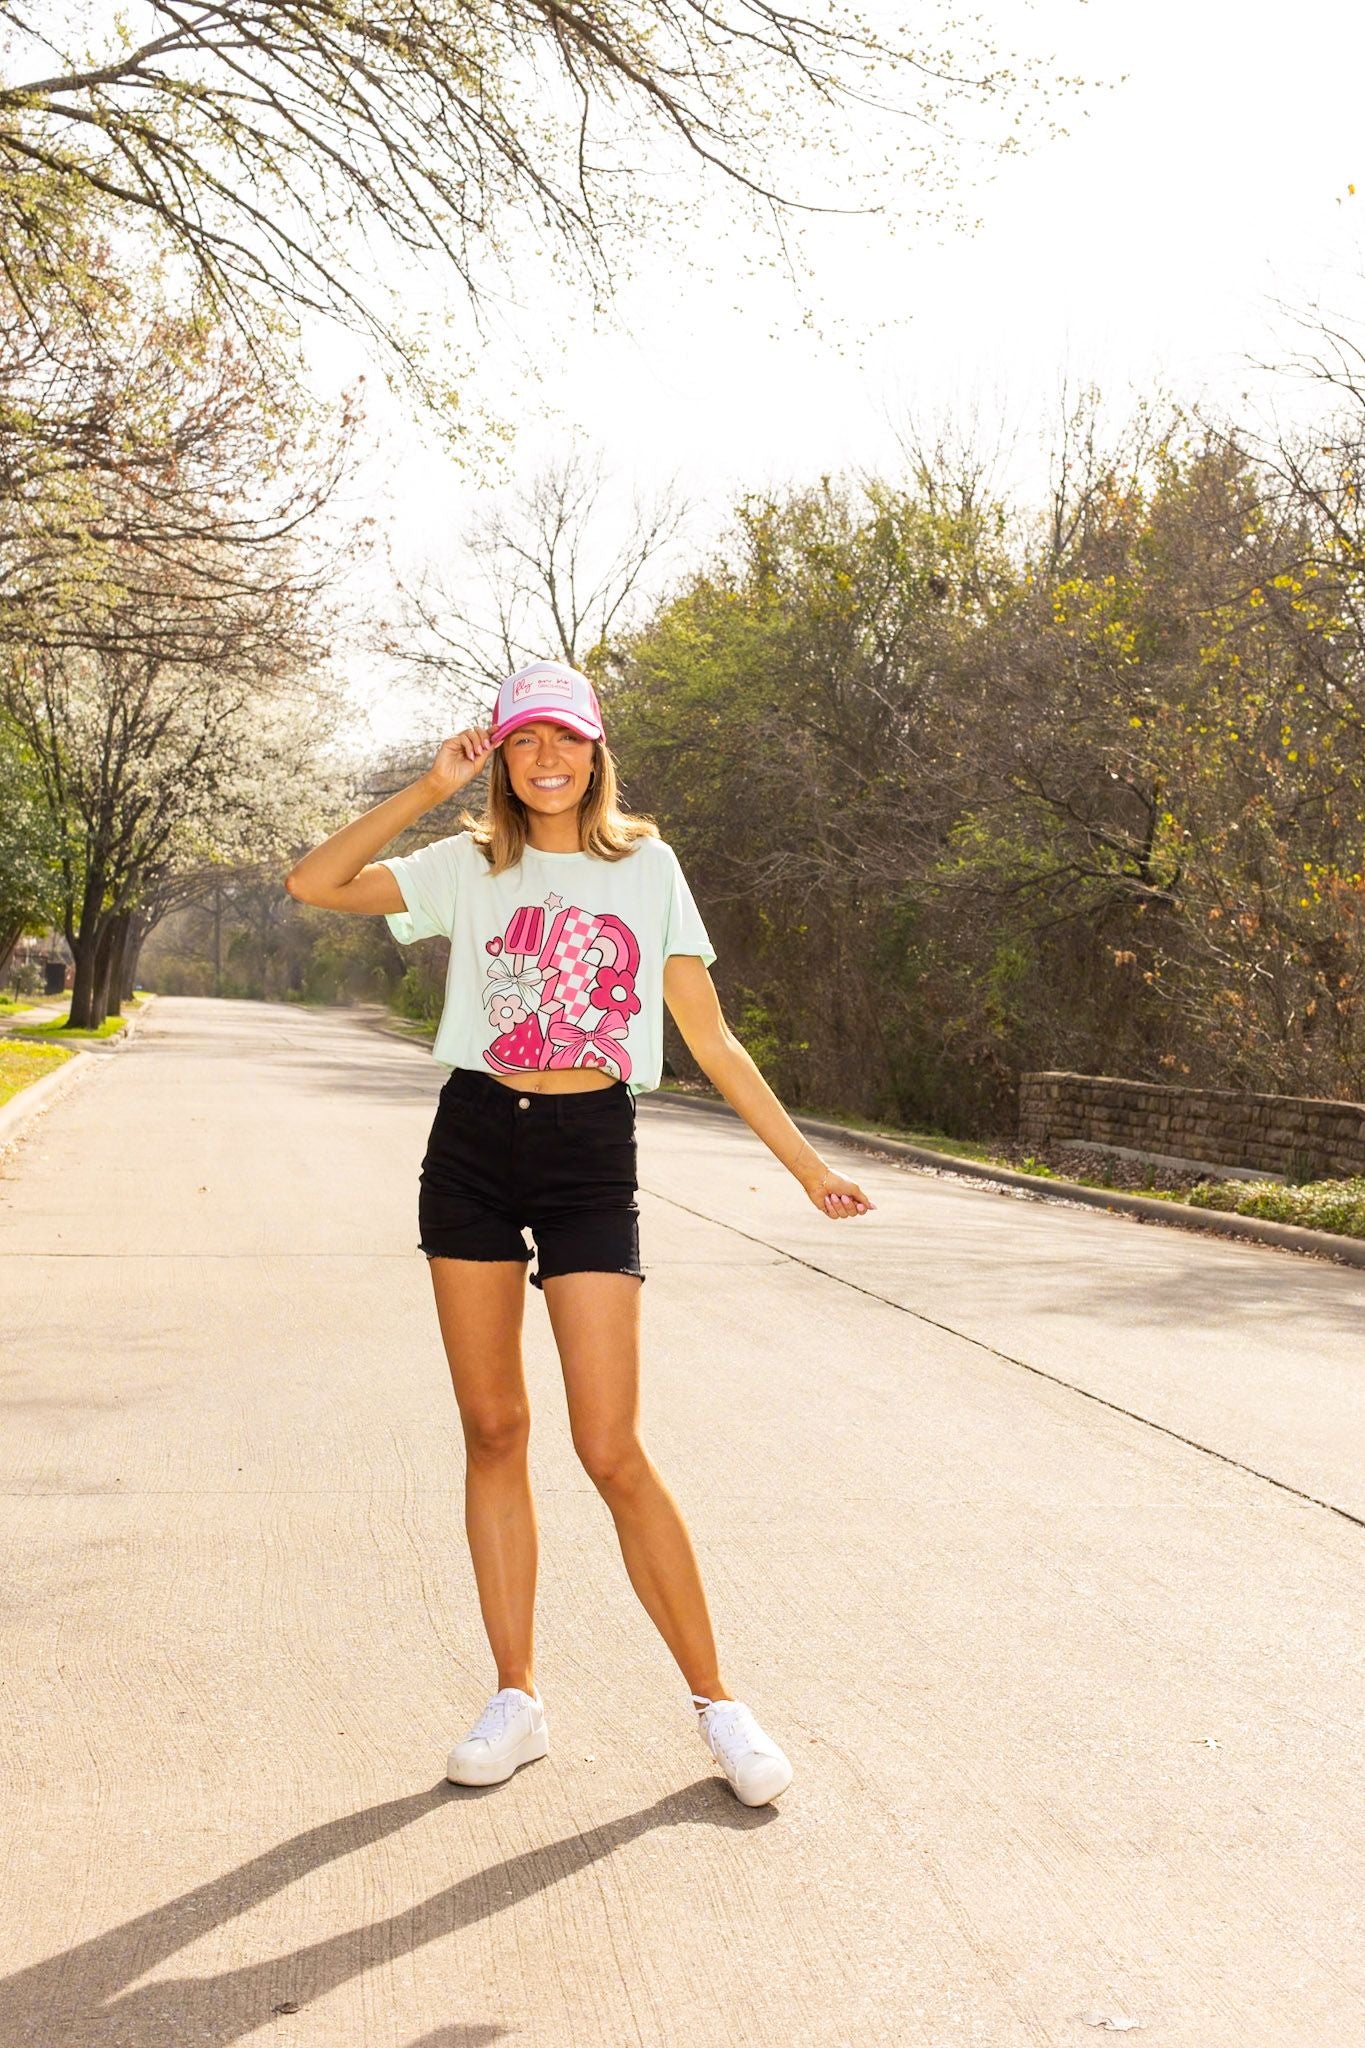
1285	1134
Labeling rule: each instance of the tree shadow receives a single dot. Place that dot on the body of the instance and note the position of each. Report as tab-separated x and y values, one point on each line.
80	1997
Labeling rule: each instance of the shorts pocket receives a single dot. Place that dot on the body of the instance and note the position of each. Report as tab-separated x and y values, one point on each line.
583	1168
465	1151
589	1119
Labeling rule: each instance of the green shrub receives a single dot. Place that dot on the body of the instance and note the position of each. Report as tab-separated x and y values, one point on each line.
1335	1205
418	996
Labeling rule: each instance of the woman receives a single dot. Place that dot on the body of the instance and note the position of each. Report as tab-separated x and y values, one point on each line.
571	924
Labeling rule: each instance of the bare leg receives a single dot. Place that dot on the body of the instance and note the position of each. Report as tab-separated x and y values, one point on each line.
596	1323
480	1303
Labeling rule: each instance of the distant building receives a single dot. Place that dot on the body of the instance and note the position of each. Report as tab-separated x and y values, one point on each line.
50	954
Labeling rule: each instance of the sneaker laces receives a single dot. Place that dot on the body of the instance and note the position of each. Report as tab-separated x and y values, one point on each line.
730	1729
493	1719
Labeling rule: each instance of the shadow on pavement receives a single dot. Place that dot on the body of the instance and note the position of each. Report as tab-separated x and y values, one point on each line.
79	1997
473	2036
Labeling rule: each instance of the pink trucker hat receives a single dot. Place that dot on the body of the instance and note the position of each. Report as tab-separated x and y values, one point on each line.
547	689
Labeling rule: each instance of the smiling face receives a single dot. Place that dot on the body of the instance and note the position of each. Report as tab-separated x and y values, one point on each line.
548	766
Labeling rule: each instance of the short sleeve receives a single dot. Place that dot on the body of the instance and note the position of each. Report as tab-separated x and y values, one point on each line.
428	880
684	931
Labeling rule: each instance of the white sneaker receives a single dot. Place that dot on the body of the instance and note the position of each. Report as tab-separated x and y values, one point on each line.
757	1769
510	1731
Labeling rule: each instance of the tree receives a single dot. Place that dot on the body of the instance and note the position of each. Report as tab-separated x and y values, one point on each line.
549	569
154	595
286	791
28	846
141	732
788	714
142	431
291	153
966	792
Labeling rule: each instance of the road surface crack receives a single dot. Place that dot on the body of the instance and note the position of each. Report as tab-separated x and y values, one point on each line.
1008	1358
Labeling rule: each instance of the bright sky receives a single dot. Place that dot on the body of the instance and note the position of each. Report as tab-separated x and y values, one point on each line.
1143	249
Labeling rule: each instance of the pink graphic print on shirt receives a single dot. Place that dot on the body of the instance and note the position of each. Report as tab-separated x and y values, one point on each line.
560	991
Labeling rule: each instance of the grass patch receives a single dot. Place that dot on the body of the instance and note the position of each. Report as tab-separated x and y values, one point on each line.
1335	1205
22	1065
410	1027
59	1029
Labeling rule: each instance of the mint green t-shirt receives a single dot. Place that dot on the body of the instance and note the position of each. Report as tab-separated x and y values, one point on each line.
556	962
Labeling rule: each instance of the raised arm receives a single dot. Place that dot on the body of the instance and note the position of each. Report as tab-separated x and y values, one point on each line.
342	873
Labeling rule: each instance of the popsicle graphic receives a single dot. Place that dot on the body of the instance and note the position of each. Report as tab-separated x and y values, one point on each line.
525	930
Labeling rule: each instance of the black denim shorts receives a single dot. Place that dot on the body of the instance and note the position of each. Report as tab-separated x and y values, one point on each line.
499	1161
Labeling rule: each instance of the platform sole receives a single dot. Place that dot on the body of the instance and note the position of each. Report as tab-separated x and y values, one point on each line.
769	1786
495	1770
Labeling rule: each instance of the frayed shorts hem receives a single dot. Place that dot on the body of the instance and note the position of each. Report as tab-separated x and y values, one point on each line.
540	1276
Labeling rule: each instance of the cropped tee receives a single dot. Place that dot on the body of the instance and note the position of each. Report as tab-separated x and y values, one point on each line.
556	962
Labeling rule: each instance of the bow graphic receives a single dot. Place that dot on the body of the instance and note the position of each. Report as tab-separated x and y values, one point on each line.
506	982
596	1045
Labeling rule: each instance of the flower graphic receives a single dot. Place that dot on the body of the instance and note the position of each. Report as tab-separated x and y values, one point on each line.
505	1012
614	989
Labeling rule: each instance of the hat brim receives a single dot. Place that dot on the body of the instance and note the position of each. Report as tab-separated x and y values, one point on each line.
584	727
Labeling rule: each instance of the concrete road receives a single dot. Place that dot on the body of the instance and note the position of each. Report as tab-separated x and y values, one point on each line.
1034	1534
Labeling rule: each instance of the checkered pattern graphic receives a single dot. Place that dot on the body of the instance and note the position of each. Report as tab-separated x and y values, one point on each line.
565	962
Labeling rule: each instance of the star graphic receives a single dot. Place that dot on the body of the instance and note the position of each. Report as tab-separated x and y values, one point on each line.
552	902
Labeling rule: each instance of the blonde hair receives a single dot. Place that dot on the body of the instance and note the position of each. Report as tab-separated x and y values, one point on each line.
604	829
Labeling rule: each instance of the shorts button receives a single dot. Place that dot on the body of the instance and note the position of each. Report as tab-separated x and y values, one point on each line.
523	1102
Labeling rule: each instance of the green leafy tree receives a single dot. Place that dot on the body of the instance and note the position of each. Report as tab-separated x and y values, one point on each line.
968	790
784	715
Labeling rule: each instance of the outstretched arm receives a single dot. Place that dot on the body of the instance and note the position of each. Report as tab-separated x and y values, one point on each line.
695	1007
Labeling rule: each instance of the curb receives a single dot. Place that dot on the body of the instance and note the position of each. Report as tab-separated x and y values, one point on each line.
1324	1244
134	1023
103	1047
30	1102
100	1046
373	1017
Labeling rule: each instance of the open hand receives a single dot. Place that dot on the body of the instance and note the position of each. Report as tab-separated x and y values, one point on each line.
459	760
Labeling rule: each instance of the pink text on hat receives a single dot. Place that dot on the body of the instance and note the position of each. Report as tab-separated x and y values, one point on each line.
541	684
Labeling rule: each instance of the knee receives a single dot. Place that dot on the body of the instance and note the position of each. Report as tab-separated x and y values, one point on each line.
494	1434
614	1463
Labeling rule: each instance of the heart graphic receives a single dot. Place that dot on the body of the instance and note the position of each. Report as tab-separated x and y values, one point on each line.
493	946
